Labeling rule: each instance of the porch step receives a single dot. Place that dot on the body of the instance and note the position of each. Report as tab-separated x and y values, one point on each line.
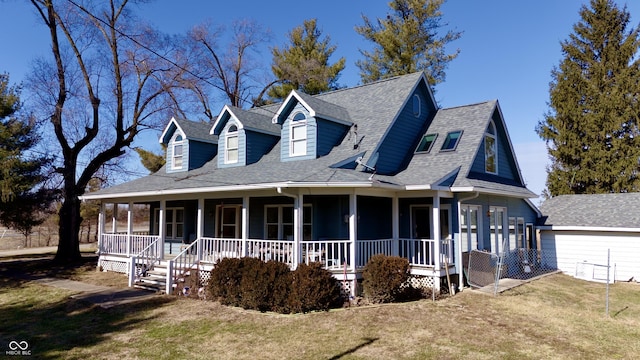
156	279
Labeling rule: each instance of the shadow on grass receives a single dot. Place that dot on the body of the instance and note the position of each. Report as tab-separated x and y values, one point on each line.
367	341
51	323
52	328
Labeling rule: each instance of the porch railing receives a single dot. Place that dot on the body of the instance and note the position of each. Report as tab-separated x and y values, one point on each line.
213	250
145	260
333	254
265	250
186	261
116	244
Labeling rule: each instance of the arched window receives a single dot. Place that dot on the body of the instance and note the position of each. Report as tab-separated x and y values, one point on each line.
231	145
298	135
416	105
176	160
490	150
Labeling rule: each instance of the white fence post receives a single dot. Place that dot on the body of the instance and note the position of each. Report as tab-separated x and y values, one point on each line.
169	286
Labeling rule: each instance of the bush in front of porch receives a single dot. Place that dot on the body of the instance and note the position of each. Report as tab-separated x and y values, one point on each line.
270	286
386	279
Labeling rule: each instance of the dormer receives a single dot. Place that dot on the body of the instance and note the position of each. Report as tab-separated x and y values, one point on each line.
309	127
243	136
189	145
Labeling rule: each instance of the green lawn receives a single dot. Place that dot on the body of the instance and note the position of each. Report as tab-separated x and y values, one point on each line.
556	317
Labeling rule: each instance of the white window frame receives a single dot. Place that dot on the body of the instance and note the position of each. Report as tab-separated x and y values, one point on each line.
176	226
491	152
298	143
281	224
497	237
417	105
221	225
470	243
229	135
175	159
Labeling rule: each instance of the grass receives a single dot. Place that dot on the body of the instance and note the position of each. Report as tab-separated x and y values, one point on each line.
556	317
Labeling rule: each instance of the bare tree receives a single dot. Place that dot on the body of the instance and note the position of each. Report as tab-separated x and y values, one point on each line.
104	86
231	70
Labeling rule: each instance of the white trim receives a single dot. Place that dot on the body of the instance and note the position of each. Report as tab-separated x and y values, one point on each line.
587	228
312	112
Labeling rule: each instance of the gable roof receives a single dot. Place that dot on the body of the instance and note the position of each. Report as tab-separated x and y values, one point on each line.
250	120
592	211
192	130
374	108
473	121
316	106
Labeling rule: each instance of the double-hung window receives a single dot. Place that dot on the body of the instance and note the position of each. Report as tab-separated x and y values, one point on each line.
231	145
176	162
298	135
490	150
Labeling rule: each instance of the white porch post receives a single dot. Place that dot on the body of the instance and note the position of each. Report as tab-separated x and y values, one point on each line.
129	228
114	219
200	227
162	226
436	231
395	224
245	224
298	206
353	229
100	228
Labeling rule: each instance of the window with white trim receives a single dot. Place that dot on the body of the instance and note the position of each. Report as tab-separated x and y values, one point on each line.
490	150
416	105
176	160
497	218
298	135
231	145
279	222
470	227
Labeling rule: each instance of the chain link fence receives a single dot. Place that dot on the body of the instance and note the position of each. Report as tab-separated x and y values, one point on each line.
486	268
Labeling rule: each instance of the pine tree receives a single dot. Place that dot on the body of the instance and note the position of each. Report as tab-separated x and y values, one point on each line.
304	63
591	128
22	199
152	162
407	41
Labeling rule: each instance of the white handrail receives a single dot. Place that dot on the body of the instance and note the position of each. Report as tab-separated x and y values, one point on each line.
186	260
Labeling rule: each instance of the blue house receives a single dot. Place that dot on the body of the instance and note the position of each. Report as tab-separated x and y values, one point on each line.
335	178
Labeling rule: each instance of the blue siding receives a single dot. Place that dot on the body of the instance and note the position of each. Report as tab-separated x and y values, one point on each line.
185	157
515	208
200	153
328	216
312	130
329	135
222	145
401	140
506	164
257	145
374	218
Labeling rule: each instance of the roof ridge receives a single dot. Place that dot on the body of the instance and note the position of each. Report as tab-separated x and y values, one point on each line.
469	105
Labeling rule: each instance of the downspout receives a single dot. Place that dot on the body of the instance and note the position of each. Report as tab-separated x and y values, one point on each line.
296	223
459	269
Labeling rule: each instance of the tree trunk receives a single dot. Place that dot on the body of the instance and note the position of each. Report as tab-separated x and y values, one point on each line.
68	230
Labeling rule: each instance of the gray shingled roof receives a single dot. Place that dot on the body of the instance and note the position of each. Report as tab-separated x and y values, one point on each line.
196	130
325	109
256	121
593	210
373	107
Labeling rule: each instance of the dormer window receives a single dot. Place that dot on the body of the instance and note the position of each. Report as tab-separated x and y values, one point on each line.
231	145
298	135
490	150
177	153
451	141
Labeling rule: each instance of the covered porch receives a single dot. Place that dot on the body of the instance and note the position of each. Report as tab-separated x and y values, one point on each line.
340	229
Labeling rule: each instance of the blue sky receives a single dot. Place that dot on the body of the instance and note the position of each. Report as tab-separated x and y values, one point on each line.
508	49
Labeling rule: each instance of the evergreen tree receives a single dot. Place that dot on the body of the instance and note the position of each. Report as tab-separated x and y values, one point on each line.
304	63
591	128
152	162
22	200
406	41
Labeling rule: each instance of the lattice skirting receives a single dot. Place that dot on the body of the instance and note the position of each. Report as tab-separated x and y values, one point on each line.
115	266
422	282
